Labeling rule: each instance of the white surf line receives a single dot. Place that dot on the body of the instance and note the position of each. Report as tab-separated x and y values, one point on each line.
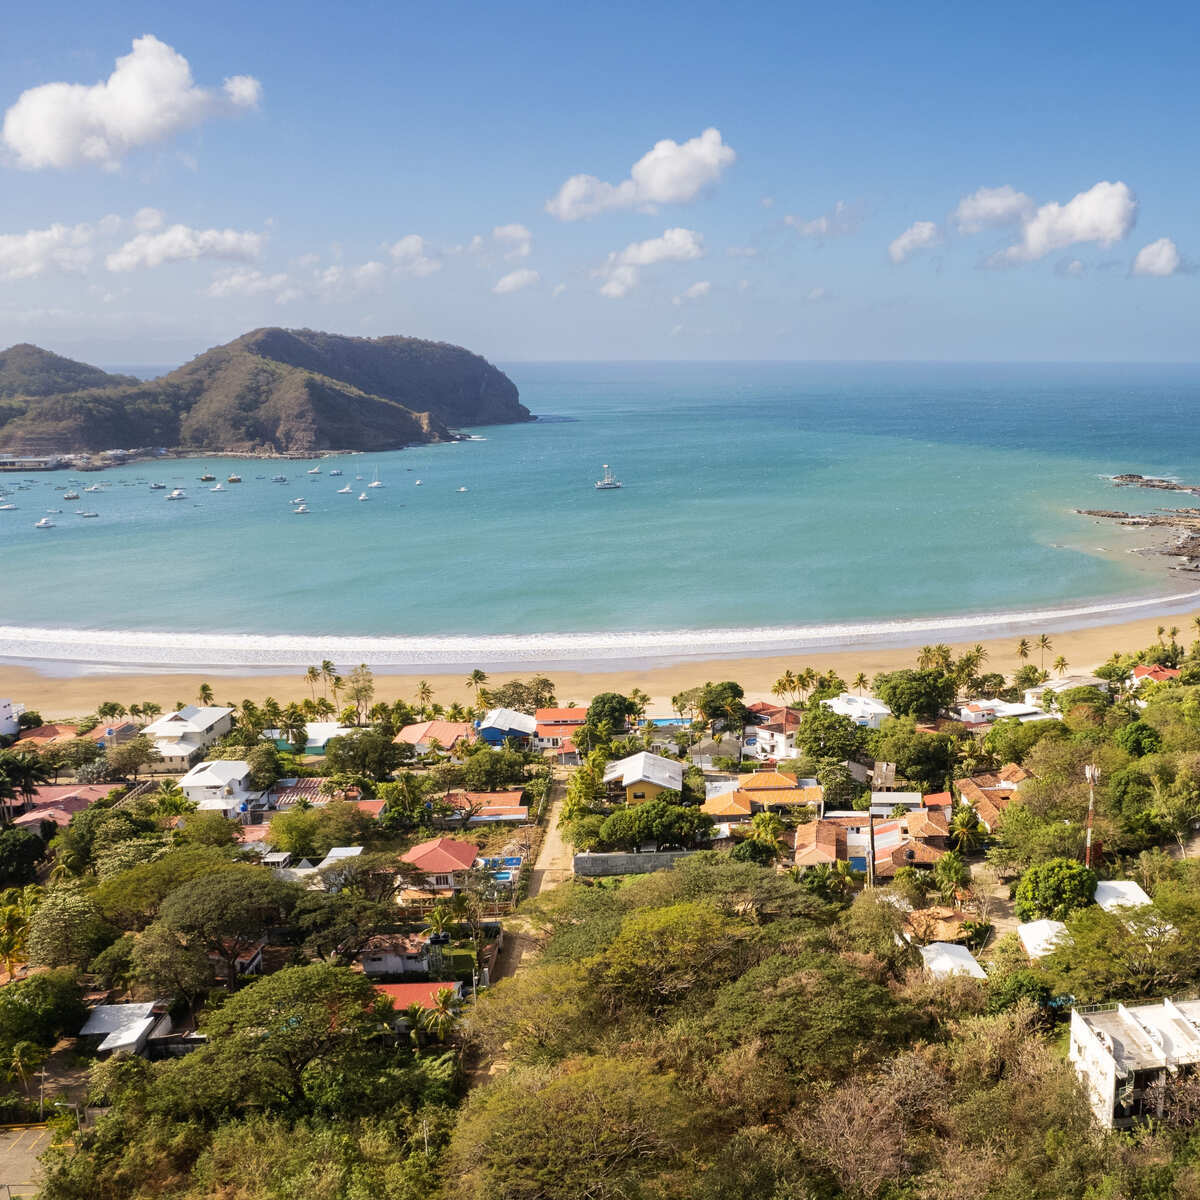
181	651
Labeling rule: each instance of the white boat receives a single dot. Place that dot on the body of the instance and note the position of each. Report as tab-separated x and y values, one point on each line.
296	500
364	496
94	488
154	487
177	494
375	482
301	510
342	491
44	523
88	514
7	507
218	488
609	482
70	495
313	471
54	511
417	484
462	489
335	471
279	479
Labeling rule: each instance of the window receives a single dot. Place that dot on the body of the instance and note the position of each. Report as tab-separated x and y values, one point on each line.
639	795
442	881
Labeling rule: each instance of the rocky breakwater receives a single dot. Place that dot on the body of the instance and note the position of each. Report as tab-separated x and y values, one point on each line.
1178	528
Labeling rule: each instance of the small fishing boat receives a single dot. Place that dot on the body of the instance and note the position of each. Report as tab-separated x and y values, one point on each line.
417	484
364	496
7	507
177	494
70	495
94	488
54	511
609	482
207	477
296	500
342	491
234	479
301	510
335	471
44	523
156	487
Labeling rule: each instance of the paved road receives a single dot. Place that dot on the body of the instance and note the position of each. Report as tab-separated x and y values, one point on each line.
19	1151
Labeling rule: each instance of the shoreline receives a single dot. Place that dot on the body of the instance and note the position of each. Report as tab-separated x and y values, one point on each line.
64	687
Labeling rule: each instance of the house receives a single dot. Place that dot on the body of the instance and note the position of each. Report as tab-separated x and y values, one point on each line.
763	791
773	735
44	735
125	1028
984	712
1141	675
1122	1053
444	862
506	725
943	959
58	803
916	840
222	785
338	854
1044	695
317	735
820	842
450	736
707	750
1039	938
403	995
991	792
883	804
937	923
1114	894
10	713
395	954
862	710
643	776
488	807
555	726
289	792
182	737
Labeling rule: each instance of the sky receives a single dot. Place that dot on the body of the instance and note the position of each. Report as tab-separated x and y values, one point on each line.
604	182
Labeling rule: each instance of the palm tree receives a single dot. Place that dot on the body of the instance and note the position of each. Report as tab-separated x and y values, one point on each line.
414	1017
965	830
205	695
23	1059
860	682
441	1018
312	677
24	771
767	829
328	673
1043	644
169	800
1060	664
424	693
150	710
476	680
1196	622
785	685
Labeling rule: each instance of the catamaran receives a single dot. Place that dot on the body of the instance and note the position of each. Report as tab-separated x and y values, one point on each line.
609	482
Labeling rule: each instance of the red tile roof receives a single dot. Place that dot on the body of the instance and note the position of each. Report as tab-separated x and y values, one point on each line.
560	716
938	800
445	733
253	833
424	994
1155	673
42	734
441	855
494	804
372	808
60	817
819	842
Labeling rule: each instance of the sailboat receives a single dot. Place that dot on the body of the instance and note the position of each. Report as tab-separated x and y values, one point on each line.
375	482
609	482
342	491
313	471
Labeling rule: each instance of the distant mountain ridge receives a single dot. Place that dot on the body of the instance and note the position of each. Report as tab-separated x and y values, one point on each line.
270	390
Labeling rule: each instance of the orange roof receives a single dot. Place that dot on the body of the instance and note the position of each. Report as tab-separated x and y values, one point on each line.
445	733
1155	673
440	855
42	734
371	807
424	994
819	842
556	731
252	833
727	804
938	800
560	716
767	781
494	804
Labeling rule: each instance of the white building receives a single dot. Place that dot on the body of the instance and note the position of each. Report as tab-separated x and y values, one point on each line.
182	737
10	711
1039	938
395	954
222	785
1121	1052
1115	894
862	710
983	712
943	959
317	735
1045	695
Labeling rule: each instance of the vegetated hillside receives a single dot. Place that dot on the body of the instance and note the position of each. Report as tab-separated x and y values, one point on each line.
276	390
27	370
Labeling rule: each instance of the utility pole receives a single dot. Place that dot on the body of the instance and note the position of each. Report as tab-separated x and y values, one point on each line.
871	848
1092	773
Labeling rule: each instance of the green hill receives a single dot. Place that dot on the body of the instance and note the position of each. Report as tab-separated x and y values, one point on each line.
272	389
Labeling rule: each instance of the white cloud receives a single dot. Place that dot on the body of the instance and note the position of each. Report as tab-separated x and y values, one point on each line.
517	238
991	207
559	288
180	243
149	96
146	220
621	271
1074	268
669	173
59	247
1104	214
696	292
514	281
918	236
338	281
247	281
1160	258
839	221
411	256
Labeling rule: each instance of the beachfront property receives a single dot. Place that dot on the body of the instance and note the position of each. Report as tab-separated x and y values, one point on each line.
502	725
555	727
984	712
10	712
642	777
448	736
317	735
1125	1055
182	737
1044	695
774	733
862	710
220	786
1155	674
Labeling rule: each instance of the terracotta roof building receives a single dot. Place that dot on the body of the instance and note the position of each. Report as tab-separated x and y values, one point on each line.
447	734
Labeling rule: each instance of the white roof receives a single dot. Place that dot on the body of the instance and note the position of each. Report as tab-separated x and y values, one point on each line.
338	853
509	718
316	733
1112	894
863	706
943	959
189	719
646	768
1039	938
220	772
123	1025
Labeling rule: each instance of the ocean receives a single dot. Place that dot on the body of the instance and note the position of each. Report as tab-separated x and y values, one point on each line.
762	505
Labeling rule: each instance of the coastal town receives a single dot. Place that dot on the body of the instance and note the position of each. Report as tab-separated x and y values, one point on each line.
953	852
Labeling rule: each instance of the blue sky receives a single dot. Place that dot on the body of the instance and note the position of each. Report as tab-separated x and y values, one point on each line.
385	168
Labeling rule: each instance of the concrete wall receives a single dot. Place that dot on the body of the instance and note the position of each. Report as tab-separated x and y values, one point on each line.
627	864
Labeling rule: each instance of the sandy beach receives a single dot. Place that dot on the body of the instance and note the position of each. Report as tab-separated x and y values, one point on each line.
60	697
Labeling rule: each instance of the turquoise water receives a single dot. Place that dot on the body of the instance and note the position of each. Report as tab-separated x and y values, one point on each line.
756	495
